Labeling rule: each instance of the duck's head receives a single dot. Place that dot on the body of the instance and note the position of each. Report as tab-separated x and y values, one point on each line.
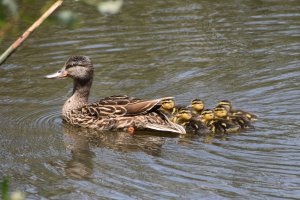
167	104
225	103
197	105
221	111
208	114
184	115
76	67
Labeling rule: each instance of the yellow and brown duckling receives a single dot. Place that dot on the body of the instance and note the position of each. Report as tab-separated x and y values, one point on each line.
185	118
237	112
197	106
168	108
222	112
217	125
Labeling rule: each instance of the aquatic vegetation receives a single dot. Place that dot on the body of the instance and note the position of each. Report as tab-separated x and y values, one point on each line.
4	188
16	195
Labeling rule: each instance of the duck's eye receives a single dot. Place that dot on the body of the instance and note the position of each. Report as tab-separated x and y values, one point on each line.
68	66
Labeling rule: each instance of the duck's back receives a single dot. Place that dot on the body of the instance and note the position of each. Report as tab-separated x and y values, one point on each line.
121	112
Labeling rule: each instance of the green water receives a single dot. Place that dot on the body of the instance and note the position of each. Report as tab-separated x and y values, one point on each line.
244	51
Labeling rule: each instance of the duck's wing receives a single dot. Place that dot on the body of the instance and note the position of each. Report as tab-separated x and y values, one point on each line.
117	100
115	113
115	106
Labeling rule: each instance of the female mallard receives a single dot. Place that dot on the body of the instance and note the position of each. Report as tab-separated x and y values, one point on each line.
111	113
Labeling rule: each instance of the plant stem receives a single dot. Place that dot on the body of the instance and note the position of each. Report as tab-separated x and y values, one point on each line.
36	24
4	188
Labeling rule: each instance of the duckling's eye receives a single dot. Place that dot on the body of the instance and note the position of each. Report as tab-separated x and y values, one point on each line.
184	112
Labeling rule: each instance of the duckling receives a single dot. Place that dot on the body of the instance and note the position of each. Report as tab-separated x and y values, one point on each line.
168	108
222	112
197	106
185	118
237	112
217	126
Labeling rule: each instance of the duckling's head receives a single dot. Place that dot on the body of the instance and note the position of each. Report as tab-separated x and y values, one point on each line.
221	111
184	115
167	104
225	103
76	67
208	114
197	105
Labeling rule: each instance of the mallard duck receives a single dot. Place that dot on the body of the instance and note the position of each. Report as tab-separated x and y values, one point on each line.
221	112
237	112
185	118
197	106
217	125
111	113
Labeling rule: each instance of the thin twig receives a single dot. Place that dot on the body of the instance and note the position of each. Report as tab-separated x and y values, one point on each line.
36	24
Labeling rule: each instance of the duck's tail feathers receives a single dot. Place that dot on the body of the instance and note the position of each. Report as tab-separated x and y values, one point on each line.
174	128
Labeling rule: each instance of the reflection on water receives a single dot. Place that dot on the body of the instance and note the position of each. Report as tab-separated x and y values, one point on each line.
149	143
246	52
81	163
81	142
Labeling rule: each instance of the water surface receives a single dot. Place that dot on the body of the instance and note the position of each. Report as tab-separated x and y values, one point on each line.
247	52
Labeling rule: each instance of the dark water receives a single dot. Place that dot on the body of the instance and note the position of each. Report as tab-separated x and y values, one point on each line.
245	51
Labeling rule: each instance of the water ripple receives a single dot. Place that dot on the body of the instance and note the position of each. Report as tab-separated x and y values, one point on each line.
42	119
246	52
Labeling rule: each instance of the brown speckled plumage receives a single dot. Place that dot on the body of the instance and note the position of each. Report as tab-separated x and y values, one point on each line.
111	113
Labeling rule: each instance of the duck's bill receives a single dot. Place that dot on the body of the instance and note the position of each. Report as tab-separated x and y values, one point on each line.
59	74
